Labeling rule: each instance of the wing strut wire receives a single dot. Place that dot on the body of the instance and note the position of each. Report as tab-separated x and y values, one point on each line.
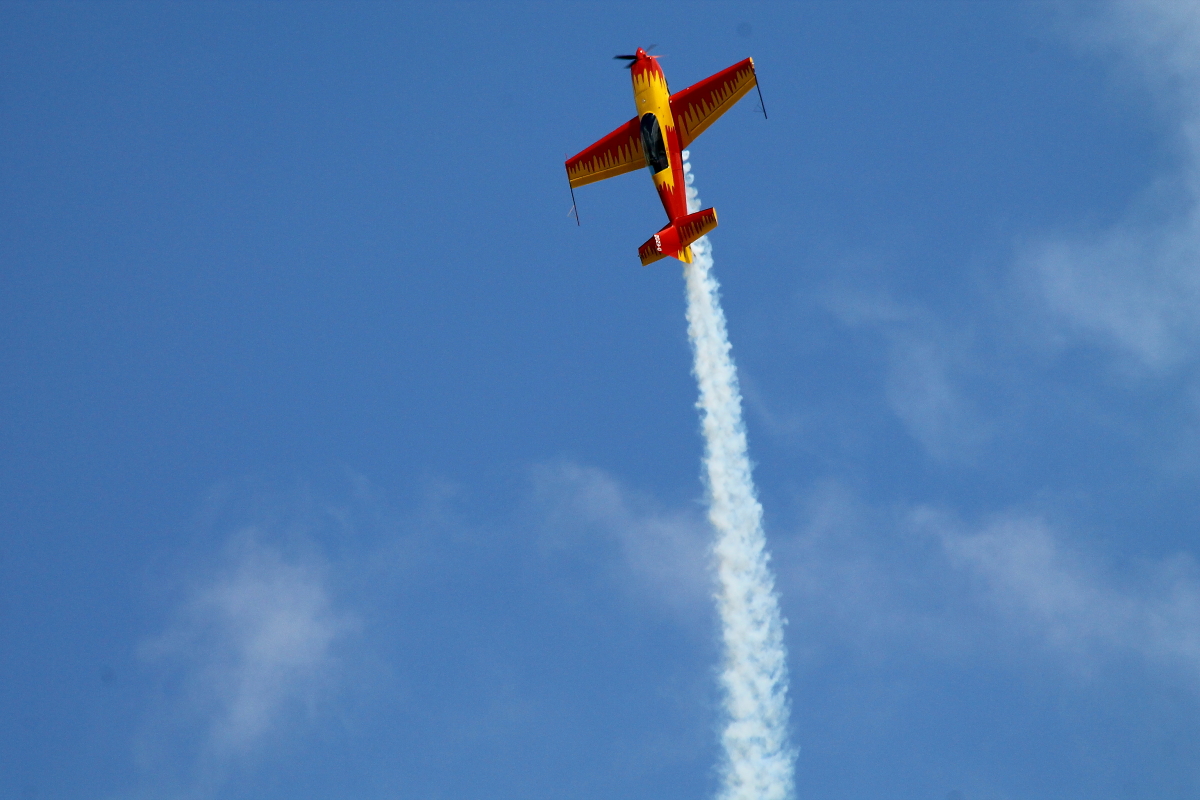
760	100
574	208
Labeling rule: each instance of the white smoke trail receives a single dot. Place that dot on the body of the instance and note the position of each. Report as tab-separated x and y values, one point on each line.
757	758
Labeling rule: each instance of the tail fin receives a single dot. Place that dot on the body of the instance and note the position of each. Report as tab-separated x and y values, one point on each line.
674	240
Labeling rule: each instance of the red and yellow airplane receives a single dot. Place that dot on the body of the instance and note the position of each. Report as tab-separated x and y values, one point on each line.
666	123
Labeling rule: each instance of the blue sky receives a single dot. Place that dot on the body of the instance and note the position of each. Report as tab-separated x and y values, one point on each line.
338	462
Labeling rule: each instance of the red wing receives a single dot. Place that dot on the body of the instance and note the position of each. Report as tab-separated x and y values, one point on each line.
617	153
698	106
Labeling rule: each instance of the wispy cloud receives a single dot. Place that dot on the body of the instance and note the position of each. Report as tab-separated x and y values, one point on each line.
663	553
962	383
251	648
925	373
1037	578
920	582
1135	287
924	393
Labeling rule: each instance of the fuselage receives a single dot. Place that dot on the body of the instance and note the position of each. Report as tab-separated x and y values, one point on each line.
660	141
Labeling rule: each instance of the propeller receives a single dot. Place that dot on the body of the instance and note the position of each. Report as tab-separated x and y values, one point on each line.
632	59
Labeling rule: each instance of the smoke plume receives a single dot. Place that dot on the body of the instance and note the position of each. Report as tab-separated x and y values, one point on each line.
757	757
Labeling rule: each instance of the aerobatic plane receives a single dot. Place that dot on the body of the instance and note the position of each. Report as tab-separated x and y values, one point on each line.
665	124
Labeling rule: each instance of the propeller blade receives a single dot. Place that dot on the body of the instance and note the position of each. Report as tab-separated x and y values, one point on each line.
627	58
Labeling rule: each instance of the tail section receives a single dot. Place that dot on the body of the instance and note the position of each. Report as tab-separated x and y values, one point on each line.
674	240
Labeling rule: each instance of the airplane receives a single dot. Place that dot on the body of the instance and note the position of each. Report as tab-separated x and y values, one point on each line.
666	123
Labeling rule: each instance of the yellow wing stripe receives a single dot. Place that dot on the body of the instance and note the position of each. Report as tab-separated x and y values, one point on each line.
604	166
697	107
615	154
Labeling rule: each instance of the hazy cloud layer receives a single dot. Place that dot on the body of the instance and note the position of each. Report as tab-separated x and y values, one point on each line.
257	650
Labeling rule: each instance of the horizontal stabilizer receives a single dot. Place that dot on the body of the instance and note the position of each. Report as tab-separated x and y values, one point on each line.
674	239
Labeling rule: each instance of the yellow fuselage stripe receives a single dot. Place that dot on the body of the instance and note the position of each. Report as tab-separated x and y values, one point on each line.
650	95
